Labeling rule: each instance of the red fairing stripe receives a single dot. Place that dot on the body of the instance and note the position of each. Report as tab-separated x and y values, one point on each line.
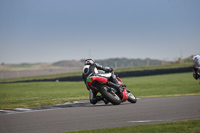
101	79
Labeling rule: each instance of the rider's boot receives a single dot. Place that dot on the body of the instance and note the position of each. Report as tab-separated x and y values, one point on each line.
195	75
95	99
115	80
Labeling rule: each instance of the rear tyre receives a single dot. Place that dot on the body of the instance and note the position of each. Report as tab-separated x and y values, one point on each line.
131	98
109	95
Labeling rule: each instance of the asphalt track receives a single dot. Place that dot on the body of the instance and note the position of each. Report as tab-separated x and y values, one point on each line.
145	111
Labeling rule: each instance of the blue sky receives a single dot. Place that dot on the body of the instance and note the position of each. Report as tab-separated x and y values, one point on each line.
52	30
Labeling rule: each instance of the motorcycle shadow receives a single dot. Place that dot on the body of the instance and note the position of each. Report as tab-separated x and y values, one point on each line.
99	104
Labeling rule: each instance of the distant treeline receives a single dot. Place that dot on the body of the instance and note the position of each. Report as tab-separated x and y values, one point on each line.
124	62
113	62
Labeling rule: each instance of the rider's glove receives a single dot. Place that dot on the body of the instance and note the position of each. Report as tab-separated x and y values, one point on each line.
111	69
108	69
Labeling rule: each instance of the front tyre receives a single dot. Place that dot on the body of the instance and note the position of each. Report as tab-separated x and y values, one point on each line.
131	98
109	95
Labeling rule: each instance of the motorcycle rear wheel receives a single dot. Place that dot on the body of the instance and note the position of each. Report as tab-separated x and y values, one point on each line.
110	96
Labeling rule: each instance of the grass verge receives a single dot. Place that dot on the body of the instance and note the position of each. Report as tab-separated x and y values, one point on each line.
187	126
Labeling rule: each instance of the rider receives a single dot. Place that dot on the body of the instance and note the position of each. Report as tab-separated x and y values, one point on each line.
91	69
196	67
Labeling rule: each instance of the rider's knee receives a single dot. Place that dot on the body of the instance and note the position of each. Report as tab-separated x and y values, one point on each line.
95	99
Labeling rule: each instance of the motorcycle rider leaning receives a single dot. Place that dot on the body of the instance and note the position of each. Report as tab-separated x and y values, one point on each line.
196	66
91	69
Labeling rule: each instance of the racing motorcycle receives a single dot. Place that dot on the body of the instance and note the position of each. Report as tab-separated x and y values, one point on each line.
108	91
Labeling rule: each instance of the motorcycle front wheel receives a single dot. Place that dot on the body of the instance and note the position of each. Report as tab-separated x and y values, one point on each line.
109	95
131	98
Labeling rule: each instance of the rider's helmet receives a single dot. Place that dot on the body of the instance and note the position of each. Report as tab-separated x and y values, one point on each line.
196	57
89	62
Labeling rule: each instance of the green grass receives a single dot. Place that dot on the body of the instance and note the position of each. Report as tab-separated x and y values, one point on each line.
163	85
187	126
21	95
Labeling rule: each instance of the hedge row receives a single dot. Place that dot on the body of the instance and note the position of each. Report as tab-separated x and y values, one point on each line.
120	74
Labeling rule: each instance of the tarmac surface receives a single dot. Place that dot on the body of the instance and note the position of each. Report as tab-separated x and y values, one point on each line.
83	116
